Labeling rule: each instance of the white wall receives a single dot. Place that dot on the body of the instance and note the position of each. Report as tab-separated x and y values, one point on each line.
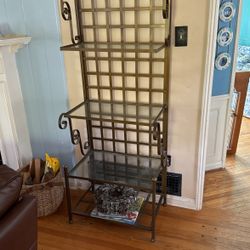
187	79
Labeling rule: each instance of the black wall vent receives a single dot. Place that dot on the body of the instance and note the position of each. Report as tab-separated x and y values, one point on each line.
174	183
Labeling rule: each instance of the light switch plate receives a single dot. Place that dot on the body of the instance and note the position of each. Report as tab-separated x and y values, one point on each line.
181	36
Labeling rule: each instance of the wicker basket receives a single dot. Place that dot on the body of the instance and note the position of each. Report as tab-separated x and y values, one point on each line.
49	195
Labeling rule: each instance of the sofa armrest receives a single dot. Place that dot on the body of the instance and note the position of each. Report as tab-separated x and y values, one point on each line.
10	187
18	227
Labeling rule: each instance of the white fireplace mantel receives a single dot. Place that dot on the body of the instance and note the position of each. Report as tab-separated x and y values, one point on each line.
14	42
15	144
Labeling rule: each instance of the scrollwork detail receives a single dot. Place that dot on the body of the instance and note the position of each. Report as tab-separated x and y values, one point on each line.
86	145
156	130
76	139
67	16
62	122
157	136
75	135
66	11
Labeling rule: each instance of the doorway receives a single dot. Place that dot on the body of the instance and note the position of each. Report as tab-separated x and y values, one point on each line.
239	123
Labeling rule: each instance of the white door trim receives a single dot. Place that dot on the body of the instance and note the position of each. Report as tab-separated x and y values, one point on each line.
207	91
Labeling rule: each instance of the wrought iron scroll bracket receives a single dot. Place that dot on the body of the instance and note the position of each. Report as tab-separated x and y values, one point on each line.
167	13
165	9
157	136
167	158
164	152
86	145
67	16
75	135
62	122
167	41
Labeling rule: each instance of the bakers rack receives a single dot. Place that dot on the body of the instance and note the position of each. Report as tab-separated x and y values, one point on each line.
124	54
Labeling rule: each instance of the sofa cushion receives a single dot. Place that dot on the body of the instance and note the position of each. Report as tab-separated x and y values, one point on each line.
10	187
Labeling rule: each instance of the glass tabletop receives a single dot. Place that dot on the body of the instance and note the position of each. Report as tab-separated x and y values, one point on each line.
134	171
131	113
116	47
120	112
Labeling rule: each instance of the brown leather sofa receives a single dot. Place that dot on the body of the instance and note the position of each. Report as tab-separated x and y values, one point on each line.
18	215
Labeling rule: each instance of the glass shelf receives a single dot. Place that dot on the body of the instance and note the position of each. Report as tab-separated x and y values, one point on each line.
115	47
103	166
119	112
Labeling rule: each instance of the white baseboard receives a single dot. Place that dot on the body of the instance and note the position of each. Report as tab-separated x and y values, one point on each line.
182	202
213	166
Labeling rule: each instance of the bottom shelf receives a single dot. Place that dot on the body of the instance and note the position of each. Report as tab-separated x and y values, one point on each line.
86	206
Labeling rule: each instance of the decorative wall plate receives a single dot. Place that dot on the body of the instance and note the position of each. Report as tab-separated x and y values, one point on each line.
223	61
225	36
227	11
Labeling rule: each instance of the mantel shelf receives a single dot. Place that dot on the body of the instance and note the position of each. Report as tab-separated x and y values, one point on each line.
115	47
10	40
118	112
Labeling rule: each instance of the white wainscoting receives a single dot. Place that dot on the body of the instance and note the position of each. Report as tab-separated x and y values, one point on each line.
217	132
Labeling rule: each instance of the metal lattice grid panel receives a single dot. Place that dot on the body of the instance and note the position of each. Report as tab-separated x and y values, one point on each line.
119	37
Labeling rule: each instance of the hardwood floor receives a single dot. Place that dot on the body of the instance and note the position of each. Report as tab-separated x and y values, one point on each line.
223	223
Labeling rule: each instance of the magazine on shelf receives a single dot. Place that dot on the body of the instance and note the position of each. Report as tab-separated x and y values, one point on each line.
129	218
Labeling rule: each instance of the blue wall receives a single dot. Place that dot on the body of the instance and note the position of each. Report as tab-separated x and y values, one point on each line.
222	78
245	24
42	74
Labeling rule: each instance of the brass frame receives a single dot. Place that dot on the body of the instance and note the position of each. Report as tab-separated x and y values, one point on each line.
157	125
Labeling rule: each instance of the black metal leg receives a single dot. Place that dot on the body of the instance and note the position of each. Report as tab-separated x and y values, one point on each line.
92	186
164	185
68	196
153	209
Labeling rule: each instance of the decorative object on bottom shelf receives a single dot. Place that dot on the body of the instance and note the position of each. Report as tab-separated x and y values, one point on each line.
114	199
118	203
43	179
